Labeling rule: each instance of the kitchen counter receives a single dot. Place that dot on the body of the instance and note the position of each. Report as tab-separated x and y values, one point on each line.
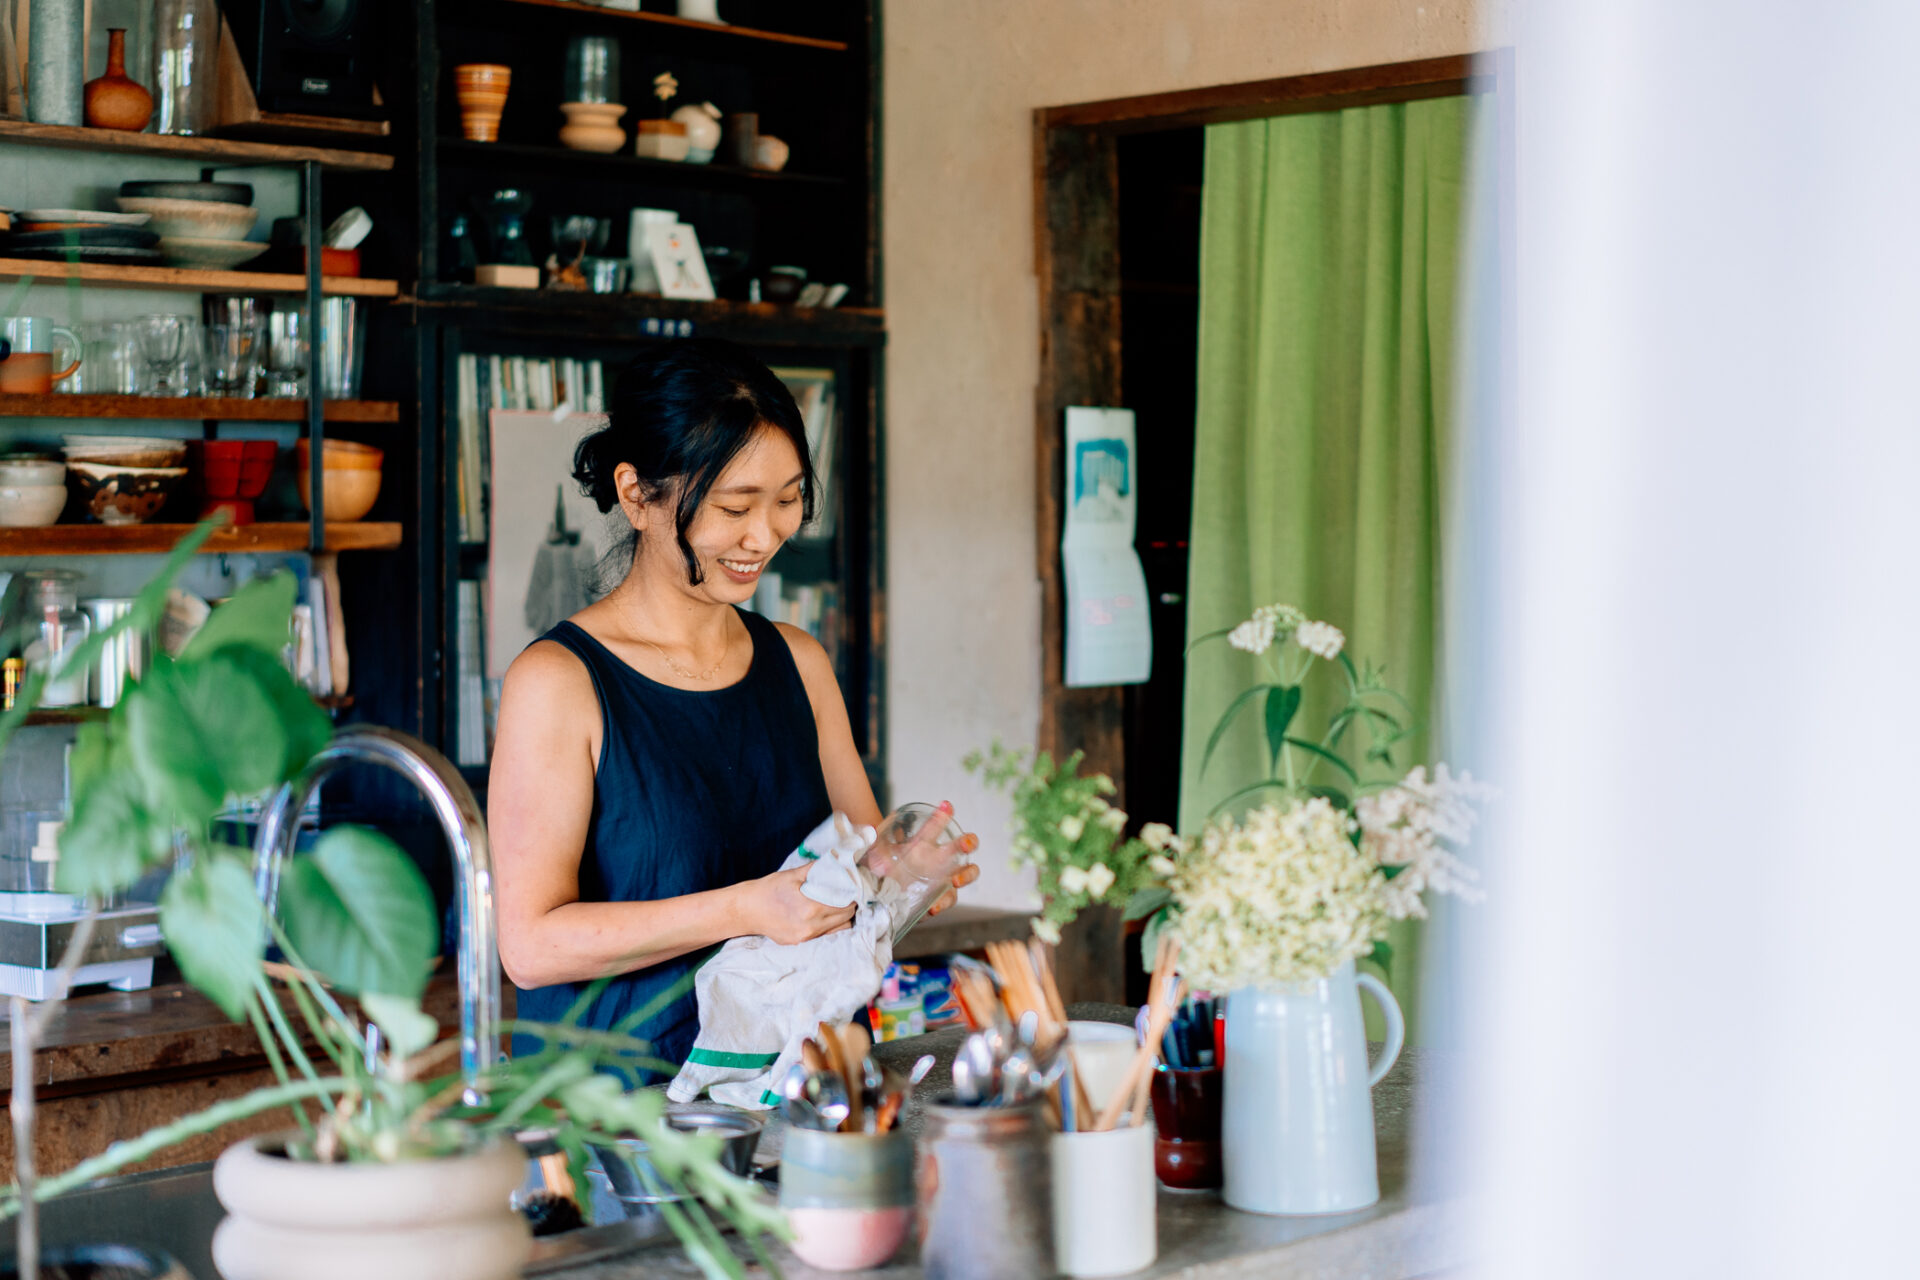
1417	1229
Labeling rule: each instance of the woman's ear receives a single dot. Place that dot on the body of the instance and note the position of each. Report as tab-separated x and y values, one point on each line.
633	495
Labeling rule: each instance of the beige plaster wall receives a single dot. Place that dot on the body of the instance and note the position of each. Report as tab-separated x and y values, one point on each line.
962	80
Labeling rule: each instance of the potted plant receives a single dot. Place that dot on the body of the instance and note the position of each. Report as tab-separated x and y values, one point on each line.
394	1168
1066	829
1275	906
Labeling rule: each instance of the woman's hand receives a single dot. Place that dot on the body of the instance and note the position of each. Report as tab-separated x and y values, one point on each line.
775	907
961	879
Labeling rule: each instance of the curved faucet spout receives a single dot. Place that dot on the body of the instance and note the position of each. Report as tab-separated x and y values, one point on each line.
459	815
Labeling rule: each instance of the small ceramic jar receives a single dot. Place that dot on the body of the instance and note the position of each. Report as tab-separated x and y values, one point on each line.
849	1196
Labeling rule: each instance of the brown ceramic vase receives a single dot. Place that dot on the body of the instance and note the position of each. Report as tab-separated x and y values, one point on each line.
114	101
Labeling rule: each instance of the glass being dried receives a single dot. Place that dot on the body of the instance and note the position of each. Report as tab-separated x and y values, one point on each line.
914	859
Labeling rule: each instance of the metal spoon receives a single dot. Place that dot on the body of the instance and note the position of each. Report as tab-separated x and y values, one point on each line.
921	1065
966	1091
828	1094
793	1098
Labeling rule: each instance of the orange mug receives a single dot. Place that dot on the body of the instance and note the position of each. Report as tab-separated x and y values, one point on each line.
28	366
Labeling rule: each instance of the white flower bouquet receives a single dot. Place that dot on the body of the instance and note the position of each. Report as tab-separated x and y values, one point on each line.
1074	838
1316	876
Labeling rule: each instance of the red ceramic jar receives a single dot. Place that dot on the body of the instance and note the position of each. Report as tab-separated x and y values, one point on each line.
232	474
1186	1118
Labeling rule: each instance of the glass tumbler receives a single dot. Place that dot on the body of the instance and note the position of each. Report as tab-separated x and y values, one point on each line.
233	358
286	353
186	40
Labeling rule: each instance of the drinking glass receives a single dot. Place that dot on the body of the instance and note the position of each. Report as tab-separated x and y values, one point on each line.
286	353
162	343
593	70
112	363
233	357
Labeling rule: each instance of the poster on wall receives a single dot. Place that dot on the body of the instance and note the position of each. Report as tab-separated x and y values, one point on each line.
1109	634
545	537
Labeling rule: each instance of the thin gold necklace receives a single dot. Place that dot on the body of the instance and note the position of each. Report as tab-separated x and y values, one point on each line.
681	671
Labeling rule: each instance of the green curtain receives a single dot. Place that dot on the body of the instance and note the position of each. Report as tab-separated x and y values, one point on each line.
1329	266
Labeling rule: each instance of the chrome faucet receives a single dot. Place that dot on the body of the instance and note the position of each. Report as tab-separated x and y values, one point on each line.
459	815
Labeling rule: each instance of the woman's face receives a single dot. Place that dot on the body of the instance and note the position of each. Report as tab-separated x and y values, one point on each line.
753	507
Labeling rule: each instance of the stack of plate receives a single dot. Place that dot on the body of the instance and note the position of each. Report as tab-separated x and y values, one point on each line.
199	224
82	235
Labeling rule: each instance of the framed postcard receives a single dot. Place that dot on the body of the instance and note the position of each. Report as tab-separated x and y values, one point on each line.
678	263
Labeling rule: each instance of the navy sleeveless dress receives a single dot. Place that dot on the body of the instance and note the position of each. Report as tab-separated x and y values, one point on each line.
695	791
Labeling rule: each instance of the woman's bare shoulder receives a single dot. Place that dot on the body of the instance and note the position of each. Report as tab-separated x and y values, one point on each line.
547	670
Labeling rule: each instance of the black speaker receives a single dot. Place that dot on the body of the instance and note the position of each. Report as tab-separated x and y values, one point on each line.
309	57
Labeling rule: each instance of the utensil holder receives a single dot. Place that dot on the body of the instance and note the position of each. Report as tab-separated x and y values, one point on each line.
1103	1201
1186	1117
985	1180
849	1196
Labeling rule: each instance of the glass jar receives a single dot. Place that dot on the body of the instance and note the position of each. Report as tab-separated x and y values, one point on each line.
56	603
913	859
593	70
186	38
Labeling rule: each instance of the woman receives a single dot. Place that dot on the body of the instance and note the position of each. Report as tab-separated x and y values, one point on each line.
661	752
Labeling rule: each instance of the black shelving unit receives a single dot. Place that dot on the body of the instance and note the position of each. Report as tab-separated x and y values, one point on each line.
816	85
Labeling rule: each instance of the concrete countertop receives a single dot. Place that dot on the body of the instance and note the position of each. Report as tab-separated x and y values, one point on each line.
1415	1230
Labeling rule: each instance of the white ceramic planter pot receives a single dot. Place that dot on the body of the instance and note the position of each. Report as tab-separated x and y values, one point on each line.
289	1220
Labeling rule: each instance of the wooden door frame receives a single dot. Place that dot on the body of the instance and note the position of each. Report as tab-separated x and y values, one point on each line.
1077	258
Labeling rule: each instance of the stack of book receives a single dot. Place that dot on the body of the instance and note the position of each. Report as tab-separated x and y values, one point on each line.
479	697
486	383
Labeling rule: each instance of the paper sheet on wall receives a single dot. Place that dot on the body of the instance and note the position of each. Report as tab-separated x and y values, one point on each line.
1109	635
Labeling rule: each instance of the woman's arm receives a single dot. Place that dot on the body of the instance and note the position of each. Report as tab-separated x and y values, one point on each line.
847	785
539	802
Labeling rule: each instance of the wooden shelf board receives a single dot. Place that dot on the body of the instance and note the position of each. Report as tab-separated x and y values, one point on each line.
672	20
191	279
66	715
190	408
137	539
213	150
680	170
862	323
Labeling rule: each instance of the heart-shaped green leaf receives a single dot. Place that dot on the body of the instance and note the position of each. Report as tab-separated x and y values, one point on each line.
260	616
407	1027
215	929
359	912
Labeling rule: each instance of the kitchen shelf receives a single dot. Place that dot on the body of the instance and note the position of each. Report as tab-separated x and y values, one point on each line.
766	321
190	408
67	715
193	280
218	151
136	539
522	155
672	20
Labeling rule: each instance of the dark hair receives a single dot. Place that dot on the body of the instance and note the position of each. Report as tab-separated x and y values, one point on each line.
681	411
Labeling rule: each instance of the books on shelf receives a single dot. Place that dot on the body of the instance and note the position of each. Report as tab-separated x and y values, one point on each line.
478	698
485	383
813	393
814	607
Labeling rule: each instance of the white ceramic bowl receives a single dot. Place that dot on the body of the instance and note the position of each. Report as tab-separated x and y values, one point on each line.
29	506
215	255
32	473
202	219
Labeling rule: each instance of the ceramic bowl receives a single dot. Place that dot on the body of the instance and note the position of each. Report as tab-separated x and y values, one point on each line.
350	494
205	192
123	495
214	255
193	219
341	455
126	451
28	472
29	506
783	284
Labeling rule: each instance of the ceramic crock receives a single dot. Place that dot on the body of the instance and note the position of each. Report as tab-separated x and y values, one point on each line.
296	1220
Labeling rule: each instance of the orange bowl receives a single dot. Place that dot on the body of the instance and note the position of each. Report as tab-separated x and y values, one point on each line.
342	455
350	493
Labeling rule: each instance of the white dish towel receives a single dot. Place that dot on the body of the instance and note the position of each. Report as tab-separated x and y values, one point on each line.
760	999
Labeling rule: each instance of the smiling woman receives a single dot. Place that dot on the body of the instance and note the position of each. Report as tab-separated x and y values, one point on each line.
662	751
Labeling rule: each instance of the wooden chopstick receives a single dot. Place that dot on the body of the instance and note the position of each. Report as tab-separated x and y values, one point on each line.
1160	1014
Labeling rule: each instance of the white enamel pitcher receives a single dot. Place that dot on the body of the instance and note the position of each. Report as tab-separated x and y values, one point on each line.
1297	1122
